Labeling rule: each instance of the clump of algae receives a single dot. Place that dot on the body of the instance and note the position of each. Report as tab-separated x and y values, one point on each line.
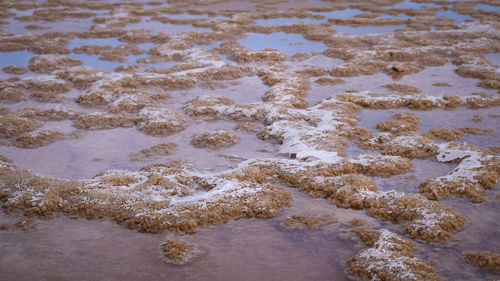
215	139
153	153
477	171
484	259
307	221
388	256
179	252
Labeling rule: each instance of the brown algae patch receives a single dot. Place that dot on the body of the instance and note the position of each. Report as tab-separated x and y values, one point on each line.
160	121
477	171
215	139
388	256
401	122
484	259
179	252
153	153
158	198
307	221
447	134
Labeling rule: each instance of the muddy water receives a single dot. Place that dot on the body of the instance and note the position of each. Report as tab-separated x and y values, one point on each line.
75	249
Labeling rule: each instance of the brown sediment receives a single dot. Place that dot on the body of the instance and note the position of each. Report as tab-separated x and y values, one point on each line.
484	259
215	139
329	81
446	134
160	121
26	224
11	125
13	69
477	171
179	252
155	152
344	185
44	97
102	120
417	101
441	84
412	146
4	226
158	198
11	95
388	256
357	222
477	118
38	139
49	63
307	221
476	131
405	89
399	123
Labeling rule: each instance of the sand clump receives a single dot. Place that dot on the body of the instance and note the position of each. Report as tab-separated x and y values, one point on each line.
153	153
388	256
179	252
484	259
215	139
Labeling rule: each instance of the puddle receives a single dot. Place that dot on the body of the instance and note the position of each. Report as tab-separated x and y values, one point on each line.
451	119
286	21
287	43
400	16
78	42
366	29
494	58
192	16
167	28
459	18
246	249
94	61
408	4
20	58
347	13
486	7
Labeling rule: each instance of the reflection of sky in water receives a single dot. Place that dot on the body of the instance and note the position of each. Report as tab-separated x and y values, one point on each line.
78	42
494	58
366	29
400	16
459	18
94	61
156	26
146	46
20	58
190	16
289	44
347	13
23	13
411	5
487	7
285	21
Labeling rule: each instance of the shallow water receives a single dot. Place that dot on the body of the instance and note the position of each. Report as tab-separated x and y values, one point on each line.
366	29
287	43
246	249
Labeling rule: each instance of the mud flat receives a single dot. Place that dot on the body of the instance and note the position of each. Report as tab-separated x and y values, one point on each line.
249	140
